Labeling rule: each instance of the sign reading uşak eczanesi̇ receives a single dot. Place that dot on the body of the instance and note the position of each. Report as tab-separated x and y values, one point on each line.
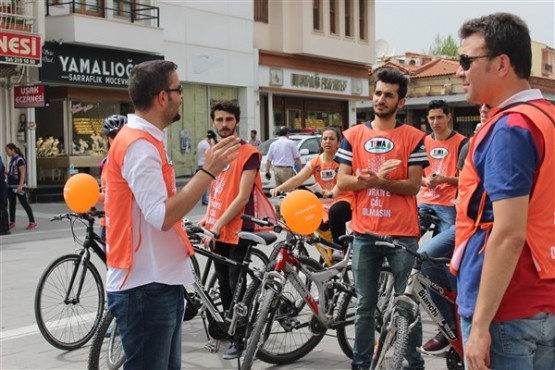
84	65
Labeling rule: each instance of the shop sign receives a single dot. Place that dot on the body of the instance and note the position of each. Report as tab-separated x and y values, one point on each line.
30	96
80	65
315	81
20	48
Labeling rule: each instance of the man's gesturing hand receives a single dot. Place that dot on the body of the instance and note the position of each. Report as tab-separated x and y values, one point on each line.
222	154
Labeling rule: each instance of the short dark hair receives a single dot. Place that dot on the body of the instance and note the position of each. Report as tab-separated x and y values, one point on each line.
226	106
504	33
438	104
392	76
148	78
283	131
254	132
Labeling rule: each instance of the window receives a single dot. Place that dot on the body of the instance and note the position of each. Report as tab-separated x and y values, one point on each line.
261	11
90	7
362	19
124	8
313	146
333	16
316	15
348	18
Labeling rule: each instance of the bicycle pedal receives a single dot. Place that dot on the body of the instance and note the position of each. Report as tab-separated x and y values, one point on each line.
241	309
212	346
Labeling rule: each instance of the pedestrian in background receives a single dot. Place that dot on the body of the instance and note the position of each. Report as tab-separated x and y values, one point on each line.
254	141
505	233
202	147
4	218
148	252
283	155
17	174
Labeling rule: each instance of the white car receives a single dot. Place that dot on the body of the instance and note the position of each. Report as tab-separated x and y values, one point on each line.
309	147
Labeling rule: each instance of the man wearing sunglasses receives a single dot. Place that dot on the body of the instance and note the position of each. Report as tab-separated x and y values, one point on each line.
147	248
505	237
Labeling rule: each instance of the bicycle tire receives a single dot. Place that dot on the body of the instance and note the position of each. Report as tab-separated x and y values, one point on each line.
346	312
290	326
68	326
392	346
106	351
346	318
261	322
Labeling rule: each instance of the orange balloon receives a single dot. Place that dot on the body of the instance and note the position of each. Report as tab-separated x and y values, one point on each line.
302	211
81	192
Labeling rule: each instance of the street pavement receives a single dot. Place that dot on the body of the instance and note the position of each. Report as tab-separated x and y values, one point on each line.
25	254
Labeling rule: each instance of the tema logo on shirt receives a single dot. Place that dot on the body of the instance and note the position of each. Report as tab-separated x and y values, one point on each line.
439	153
379	145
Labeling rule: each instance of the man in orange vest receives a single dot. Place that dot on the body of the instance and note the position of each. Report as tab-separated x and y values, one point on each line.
505	235
232	194
384	203
147	248
439	189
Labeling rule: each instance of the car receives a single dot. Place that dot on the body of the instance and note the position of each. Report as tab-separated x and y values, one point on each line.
309	148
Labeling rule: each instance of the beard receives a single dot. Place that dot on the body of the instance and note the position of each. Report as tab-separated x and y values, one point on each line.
387	113
176	118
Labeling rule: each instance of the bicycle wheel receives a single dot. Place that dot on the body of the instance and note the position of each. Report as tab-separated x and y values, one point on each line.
346	324
256	269
107	350
392	346
290	334
262	321
69	323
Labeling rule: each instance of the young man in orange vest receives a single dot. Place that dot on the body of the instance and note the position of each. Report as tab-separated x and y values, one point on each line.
147	248
505	236
439	189
384	203
234	192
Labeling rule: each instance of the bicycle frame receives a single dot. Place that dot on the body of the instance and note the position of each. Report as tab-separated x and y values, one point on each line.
285	270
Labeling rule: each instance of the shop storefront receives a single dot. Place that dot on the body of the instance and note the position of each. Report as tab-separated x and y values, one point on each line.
84	86
308	93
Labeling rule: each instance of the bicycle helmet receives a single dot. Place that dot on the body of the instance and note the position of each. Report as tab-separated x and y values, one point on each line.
113	124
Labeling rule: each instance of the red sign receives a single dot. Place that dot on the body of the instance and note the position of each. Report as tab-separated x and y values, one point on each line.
20	48
29	96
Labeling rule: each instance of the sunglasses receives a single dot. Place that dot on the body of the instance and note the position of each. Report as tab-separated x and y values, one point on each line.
466	60
178	89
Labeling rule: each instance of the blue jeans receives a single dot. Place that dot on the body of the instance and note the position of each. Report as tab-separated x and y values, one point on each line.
523	344
149	318
366	265
446	214
441	245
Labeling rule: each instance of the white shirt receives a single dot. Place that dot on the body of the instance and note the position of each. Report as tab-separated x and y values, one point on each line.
202	147
161	257
283	152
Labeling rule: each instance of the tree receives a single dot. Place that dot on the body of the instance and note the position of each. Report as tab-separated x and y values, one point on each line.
444	46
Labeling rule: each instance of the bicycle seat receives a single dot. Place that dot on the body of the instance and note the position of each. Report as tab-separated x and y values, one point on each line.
262	237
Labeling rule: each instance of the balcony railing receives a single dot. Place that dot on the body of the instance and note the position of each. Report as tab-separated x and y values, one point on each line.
132	10
17	15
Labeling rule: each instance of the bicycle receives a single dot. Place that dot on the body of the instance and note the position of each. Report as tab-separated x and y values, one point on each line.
429	221
279	318
402	314
107	350
69	300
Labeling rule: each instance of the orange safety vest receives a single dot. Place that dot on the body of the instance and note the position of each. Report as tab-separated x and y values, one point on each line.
443	156
119	201
378	210
225	189
326	176
541	206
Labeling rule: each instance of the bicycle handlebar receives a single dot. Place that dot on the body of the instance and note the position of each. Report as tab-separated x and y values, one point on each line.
389	241
89	215
332	245
259	221
197	229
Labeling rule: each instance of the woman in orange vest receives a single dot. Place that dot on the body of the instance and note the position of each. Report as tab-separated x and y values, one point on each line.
337	205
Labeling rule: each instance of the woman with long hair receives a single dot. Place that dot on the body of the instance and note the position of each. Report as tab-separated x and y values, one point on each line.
17	173
337	205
